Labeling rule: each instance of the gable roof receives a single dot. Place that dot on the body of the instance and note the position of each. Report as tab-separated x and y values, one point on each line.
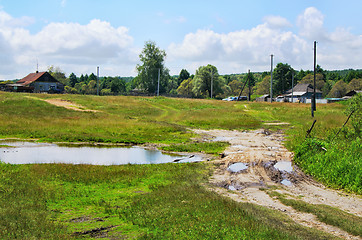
32	77
303	87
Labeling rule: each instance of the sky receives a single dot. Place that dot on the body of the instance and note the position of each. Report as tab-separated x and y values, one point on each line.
233	35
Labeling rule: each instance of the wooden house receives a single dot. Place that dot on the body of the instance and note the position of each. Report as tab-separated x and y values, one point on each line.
38	82
302	93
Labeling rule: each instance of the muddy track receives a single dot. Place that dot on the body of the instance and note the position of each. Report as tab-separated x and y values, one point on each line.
257	160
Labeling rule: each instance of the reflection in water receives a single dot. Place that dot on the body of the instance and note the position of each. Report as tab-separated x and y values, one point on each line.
237	167
30	152
284	166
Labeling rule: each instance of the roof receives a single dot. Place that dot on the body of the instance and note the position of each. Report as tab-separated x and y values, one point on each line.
302	87
32	77
353	92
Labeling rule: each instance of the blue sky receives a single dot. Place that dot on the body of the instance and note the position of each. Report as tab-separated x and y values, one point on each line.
79	35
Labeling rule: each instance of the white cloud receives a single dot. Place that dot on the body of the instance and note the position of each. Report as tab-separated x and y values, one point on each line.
277	22
310	23
244	49
251	48
71	46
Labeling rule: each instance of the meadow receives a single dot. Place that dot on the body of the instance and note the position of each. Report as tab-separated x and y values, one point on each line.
166	201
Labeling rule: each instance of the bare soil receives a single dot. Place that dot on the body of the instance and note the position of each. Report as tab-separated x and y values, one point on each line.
68	104
260	151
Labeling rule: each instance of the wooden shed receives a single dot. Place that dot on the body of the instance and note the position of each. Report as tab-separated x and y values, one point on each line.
37	82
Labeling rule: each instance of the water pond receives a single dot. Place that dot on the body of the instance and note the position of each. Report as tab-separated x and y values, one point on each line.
31	152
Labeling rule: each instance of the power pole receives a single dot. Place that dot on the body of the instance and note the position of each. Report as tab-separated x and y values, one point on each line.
292	87
271	79
97	81
158	82
212	80
313	102
249	95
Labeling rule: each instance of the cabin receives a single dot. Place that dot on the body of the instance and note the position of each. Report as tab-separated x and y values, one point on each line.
38	82
352	93
302	93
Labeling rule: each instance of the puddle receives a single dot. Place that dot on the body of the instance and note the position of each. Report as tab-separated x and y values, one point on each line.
31	152
284	166
223	139
237	167
286	182
232	188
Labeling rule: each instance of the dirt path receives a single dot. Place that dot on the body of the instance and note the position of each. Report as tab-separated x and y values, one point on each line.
267	163
68	104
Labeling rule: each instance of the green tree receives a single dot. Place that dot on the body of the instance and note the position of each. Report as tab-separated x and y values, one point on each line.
282	78
319	80
72	79
235	87
152	59
184	74
355	84
263	87
58	74
185	88
338	90
205	76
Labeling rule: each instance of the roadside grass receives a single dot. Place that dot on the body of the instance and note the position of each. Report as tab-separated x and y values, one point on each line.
336	164
23	210
207	147
327	214
165	201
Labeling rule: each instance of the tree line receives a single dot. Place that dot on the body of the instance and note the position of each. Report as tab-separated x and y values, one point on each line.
153	78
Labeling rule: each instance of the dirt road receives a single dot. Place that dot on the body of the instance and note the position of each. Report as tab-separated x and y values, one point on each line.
257	160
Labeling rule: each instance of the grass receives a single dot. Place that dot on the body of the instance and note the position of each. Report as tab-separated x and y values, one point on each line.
207	147
166	201
152	201
327	214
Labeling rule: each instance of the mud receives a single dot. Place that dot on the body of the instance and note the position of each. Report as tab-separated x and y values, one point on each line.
270	165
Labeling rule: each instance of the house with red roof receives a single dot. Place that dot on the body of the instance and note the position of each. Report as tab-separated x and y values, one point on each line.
38	82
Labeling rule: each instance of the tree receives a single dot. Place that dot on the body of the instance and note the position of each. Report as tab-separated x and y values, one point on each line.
235	87
319	80
152	59
251	83
355	84
338	90
263	87
58	74
184	74
72	79
205	76
282	78
185	88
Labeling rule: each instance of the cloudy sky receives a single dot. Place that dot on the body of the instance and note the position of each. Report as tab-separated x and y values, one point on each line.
233	35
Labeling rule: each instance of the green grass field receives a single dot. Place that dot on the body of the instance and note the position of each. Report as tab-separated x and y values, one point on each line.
167	201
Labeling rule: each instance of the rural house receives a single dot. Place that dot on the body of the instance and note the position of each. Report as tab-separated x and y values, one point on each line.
302	93
37	82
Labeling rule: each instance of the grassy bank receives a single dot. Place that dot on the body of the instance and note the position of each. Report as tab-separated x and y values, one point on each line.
151	201
167	201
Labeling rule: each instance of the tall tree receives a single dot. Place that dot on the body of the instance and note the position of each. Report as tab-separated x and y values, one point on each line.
282	78
152	59
204	78
72	79
184	74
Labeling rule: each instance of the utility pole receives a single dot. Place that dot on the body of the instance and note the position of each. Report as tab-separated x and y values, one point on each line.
292	87
271	79
97	81
249	95
313	102
212	81
158	83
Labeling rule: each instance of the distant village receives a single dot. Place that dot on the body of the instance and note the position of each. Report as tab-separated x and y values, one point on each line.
45	82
